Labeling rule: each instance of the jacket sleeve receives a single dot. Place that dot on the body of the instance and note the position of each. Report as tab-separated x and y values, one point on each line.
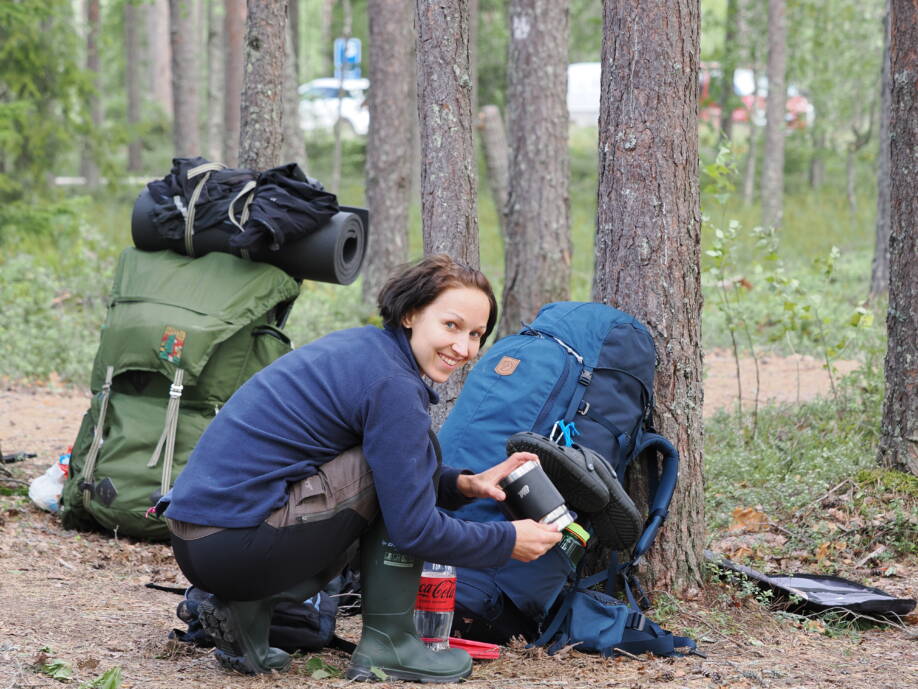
398	449
448	495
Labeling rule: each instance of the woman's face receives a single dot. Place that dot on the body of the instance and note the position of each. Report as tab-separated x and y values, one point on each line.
447	332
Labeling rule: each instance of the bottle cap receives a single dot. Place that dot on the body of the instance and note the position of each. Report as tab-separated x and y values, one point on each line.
578	532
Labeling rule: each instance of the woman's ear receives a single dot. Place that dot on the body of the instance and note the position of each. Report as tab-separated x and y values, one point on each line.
408	320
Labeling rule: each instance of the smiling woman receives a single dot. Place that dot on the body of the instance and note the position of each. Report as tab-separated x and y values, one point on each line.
306	455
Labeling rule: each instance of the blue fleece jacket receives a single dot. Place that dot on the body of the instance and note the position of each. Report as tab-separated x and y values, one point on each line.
353	387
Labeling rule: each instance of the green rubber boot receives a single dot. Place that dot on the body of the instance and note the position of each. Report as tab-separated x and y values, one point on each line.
389	644
240	630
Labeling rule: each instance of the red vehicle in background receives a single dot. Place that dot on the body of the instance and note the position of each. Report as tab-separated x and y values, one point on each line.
799	113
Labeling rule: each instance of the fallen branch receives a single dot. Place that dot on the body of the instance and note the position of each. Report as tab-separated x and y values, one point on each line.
806	508
878	551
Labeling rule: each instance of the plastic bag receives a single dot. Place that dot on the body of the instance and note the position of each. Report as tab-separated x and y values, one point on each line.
45	490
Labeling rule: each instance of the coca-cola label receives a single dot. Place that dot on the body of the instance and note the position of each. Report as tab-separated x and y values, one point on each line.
436	594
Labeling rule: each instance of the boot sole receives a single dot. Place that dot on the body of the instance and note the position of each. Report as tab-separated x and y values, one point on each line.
583	489
361	674
217	621
619	525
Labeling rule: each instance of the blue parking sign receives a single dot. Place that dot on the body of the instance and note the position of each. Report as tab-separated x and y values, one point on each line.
347	58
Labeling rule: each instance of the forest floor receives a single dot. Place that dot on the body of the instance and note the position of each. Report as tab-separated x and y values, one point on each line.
79	600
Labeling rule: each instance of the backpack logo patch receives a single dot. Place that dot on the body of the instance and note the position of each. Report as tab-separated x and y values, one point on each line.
506	366
172	344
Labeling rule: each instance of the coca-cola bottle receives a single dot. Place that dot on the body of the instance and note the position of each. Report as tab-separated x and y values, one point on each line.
433	612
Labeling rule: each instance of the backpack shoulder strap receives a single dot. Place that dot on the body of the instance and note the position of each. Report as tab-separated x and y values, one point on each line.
665	487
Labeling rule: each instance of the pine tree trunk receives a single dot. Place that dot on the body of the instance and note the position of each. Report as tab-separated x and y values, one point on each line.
497	157
727	99
899	428
88	167
326	39
132	83
448	186
293	23
234	17
775	107
648	239
537	248
749	166
215	81
473	52
337	152
817	170
159	47
183	31
262	120
294	150
393	123
879	270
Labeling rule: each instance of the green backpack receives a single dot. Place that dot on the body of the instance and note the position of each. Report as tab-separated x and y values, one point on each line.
181	335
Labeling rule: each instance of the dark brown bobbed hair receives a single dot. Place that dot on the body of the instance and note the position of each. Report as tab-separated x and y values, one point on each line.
415	285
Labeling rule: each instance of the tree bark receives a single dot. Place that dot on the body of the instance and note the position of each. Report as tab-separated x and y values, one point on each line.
537	247
159	46
393	124
448	185
648	238
132	85
879	270
88	166
775	107
183	30
497	157
215	82
262	120
899	428
294	142
473	52
234	17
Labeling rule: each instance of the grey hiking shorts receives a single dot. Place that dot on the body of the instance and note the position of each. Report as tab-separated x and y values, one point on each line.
307	537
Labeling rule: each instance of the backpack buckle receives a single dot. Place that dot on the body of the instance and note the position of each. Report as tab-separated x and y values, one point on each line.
584	408
636	621
586	377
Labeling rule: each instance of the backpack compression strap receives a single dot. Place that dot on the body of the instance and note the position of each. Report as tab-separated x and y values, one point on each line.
89	467
167	439
205	170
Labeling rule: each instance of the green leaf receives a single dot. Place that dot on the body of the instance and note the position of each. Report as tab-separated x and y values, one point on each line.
57	669
110	679
317	668
379	673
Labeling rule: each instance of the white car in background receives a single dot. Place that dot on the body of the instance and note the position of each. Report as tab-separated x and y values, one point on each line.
319	105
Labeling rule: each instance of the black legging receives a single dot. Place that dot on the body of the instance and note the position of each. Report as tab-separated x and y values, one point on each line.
256	562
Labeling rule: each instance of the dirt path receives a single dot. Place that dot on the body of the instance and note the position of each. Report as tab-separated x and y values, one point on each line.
84	597
792	379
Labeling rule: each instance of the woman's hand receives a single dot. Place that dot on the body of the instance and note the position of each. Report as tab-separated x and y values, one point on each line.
484	485
533	539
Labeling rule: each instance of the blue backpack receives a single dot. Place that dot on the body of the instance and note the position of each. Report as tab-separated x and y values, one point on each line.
580	372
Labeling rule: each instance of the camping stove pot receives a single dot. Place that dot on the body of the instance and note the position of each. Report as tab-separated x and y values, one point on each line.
532	495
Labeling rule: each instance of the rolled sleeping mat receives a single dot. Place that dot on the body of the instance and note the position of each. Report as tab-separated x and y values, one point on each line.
333	253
